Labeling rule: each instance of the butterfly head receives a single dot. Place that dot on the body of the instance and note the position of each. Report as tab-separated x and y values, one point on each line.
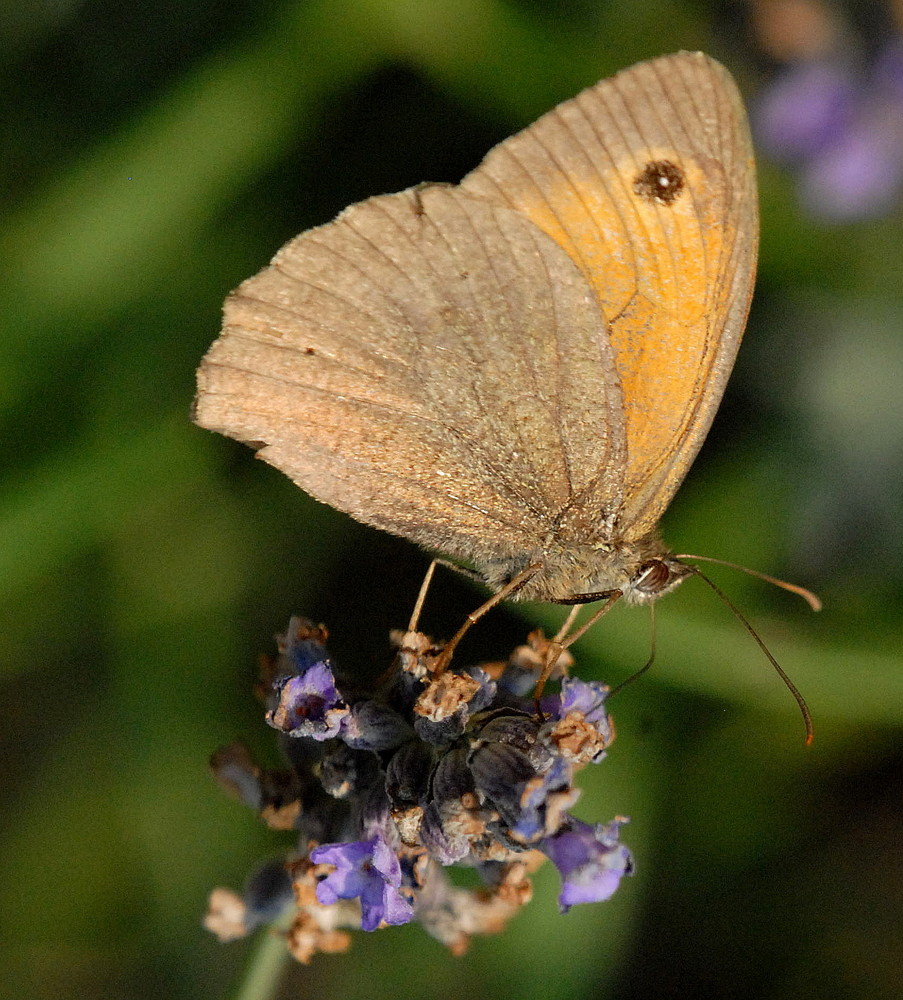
640	572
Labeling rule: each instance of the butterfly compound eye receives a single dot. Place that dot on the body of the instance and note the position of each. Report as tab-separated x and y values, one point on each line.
654	577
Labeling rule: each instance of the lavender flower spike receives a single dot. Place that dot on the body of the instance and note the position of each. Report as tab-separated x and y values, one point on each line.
387	784
368	869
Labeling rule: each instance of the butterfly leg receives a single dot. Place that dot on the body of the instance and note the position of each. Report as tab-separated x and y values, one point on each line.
562	641
427	580
510	588
568	622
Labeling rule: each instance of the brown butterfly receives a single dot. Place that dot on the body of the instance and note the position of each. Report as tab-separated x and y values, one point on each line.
517	370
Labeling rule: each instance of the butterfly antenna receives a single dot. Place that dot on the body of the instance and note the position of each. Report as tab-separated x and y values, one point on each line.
738	614
811	599
645	666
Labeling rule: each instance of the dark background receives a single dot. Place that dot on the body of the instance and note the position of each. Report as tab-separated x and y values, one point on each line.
155	155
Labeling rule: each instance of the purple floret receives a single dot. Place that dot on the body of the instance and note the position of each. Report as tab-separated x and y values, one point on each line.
590	860
309	704
365	869
538	799
587	697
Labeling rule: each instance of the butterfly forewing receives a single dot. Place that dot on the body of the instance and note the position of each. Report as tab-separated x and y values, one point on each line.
646	181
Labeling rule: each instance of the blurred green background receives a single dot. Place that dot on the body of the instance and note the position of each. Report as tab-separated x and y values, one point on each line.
155	155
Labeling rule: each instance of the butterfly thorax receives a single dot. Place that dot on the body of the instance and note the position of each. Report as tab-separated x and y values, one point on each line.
641	570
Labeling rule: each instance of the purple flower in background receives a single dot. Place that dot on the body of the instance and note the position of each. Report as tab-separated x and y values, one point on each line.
365	869
590	860
841	127
807	108
309	704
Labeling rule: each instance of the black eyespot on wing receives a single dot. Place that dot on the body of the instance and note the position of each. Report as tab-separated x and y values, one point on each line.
660	181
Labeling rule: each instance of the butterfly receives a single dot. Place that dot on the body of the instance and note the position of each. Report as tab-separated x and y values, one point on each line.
517	370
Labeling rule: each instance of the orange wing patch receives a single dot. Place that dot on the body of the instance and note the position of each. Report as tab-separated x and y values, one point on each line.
653	200
651	275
